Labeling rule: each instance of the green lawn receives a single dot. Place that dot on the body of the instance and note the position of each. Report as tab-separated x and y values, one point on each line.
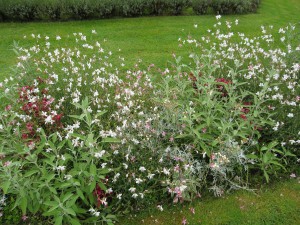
278	205
152	39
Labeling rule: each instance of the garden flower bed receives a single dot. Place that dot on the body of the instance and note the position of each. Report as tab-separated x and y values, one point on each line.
84	140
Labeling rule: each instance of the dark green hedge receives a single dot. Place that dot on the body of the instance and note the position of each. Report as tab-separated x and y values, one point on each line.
225	6
29	10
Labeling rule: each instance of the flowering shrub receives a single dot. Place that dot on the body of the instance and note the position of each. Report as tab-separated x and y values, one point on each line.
87	140
267	65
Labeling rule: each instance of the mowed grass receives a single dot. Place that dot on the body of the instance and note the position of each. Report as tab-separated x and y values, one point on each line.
152	39
277	205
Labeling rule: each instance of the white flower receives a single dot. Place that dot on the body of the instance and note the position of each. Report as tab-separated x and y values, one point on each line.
49	120
94	212
99	154
132	189
61	168
150	176
119	196
110	190
135	195
218	17
195	25
58	37
138	180
160	207
166	171
68	176
290	115
142	169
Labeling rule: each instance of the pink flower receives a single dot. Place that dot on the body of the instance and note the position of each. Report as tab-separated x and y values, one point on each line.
243	116
192	210
293	175
7	163
184	221
8	107
24	217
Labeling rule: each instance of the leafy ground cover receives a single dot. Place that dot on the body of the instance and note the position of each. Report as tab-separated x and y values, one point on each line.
87	136
275	204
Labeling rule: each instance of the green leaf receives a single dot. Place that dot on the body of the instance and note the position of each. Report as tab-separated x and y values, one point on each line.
70	211
77	105
53	208
58	220
67	196
49	177
80	194
61	144
29	173
90	139
183	136
111	140
110	216
272	144
51	203
74	221
267	157
100	113
278	164
5	185
92	186
23	205
81	137
266	176
288	153
85	103
54	137
252	156
77	117
53	190
102	186
104	171
93	169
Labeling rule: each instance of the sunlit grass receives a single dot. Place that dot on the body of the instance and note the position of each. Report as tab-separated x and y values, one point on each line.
270	205
152	39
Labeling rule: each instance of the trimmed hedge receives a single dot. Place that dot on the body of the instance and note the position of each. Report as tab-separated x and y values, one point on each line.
225	6
28	10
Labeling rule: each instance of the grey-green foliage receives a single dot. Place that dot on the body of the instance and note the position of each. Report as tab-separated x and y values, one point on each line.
28	10
19	9
132	7
234	6
201	6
